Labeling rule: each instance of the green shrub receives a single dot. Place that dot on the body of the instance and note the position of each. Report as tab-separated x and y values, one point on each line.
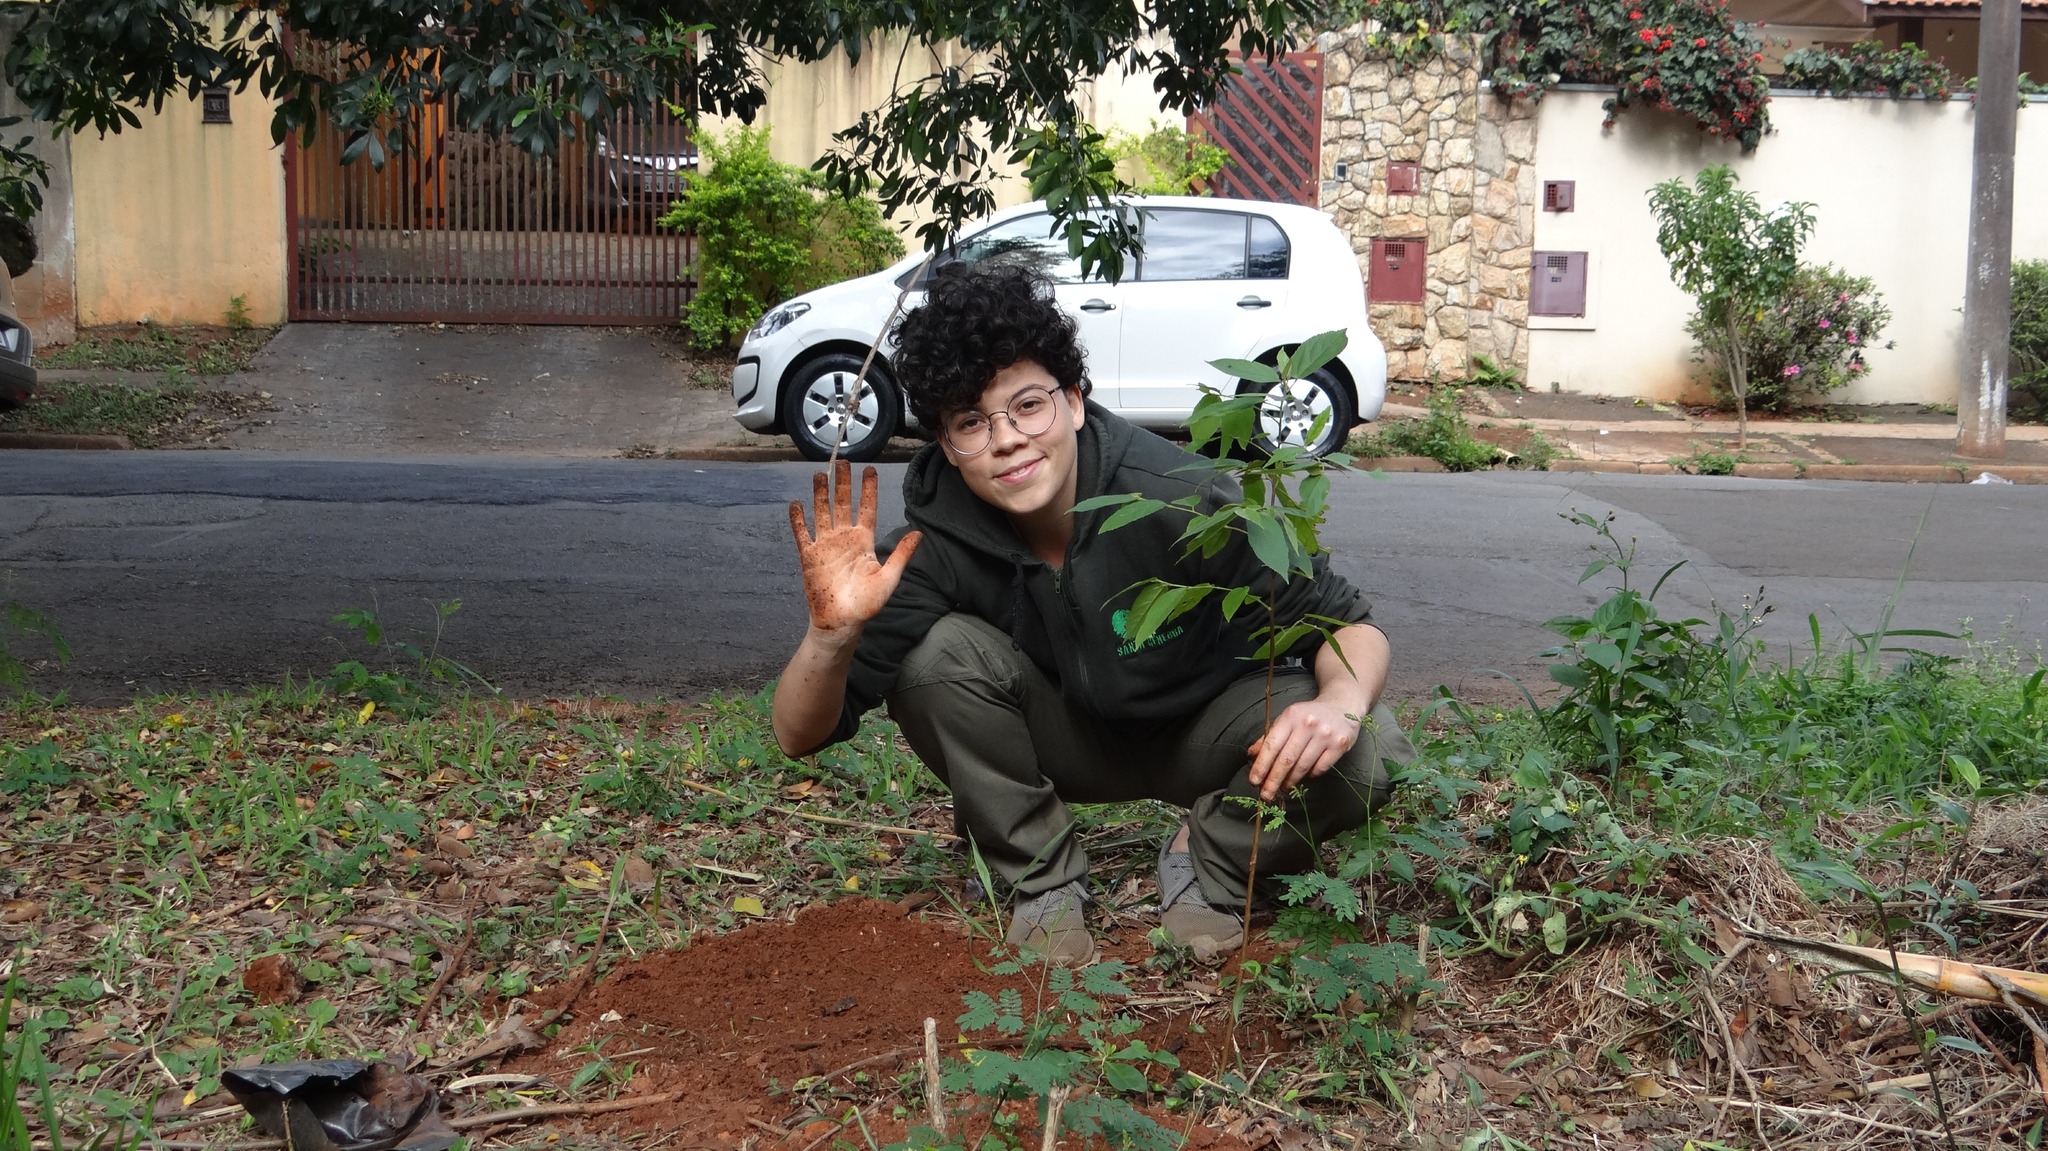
1443	436
1165	161
1807	344
2029	366
1868	66
767	231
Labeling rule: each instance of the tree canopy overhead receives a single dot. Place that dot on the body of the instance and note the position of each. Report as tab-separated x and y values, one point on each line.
534	70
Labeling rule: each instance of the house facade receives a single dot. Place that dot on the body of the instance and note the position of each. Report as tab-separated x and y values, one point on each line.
1530	221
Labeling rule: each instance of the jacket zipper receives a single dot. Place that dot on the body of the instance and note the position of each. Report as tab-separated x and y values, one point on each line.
1076	622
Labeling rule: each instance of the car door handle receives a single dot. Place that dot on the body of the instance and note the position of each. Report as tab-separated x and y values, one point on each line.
1254	302
1098	306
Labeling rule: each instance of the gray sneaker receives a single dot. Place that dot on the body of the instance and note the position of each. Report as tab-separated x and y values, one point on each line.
1054	924
1212	933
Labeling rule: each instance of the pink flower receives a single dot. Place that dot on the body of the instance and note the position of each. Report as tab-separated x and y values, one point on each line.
1843	298
1791	370
1852	337
1826	323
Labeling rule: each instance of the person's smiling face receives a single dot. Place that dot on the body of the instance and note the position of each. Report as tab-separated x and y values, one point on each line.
1031	478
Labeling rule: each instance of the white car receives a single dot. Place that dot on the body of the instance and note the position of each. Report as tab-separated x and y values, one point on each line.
1217	278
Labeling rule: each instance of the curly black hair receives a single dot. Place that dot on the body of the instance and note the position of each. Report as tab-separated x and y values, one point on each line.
978	319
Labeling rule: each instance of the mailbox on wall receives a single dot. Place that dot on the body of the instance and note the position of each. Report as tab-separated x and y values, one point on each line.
1557	284
1397	271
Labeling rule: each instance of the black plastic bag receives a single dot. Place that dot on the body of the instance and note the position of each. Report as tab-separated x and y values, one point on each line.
342	1105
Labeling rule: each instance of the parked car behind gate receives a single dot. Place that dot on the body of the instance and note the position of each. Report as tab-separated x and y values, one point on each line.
1217	278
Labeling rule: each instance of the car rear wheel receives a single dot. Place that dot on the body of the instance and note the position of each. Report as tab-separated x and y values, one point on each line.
821	405
1292	407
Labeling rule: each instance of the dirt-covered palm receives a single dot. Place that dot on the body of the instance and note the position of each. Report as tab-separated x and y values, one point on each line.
844	584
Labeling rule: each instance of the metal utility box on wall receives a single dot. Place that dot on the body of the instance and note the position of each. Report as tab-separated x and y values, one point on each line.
1558	195
1557	284
1396	275
1404	178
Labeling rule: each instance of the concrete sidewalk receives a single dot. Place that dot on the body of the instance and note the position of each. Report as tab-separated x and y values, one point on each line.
1895	442
408	389
379	390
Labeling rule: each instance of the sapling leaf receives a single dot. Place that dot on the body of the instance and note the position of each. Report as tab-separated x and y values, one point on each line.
1249	370
1268	542
1233	600
1095	503
1315	352
1130	513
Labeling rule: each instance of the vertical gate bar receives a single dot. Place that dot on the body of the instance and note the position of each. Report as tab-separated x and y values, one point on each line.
496	227
396	179
293	243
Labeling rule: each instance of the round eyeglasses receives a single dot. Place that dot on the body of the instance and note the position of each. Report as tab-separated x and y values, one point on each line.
1031	412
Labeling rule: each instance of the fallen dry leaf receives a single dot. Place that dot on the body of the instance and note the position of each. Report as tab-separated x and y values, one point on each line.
20	911
584	874
1647	1087
272	980
452	845
639	873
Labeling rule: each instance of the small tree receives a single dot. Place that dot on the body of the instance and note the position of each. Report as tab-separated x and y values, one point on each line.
1284	498
1732	257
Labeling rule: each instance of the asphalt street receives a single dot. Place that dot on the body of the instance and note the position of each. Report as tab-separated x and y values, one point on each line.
195	571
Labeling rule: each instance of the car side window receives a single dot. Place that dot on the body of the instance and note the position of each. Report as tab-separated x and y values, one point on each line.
1193	245
1267	258
1028	239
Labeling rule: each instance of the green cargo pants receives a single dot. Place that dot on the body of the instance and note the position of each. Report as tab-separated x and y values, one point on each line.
1015	752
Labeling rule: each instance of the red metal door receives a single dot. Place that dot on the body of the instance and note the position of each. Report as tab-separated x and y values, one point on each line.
468	228
1270	120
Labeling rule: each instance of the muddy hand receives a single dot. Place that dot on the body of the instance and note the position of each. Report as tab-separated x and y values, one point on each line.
844	584
1306	740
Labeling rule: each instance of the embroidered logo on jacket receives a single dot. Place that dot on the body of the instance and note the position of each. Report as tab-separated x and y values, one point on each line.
1119	622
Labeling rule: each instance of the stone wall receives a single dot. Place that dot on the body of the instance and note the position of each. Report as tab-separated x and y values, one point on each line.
1474	203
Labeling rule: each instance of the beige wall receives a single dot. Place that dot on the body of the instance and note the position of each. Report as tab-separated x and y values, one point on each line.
807	103
175	218
1890	184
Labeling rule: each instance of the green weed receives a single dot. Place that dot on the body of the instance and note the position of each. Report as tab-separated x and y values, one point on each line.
1486	372
159	348
17	623
143	414
1444	436
1068	1041
1705	461
411	678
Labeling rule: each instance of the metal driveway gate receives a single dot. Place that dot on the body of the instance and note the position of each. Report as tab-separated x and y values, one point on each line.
1270	119
469	228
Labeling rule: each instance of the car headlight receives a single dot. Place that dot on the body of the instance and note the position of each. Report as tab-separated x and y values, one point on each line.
777	319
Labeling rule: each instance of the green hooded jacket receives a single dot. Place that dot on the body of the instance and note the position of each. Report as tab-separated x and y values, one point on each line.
1071	621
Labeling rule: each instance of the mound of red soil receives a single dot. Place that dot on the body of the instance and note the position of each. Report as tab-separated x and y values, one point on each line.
732	1022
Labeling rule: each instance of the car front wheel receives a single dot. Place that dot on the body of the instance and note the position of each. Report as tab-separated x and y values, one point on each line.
823	407
1292	407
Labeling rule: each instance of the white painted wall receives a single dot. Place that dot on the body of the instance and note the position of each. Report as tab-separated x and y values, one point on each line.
1890	185
807	103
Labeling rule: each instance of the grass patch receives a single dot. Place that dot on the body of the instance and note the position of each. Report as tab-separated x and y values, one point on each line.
175	411
1547	910
201	349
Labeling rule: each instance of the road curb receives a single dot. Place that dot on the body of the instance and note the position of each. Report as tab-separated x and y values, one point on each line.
58	441
1871	473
